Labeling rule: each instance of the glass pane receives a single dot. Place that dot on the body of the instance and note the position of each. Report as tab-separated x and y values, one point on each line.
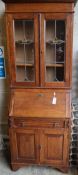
50	74
24	50
54	50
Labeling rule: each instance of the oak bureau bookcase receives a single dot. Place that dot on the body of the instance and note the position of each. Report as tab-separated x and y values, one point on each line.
39	43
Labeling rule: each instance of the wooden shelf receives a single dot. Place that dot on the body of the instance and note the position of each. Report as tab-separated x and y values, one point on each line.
53	42
24	42
23	65
54	65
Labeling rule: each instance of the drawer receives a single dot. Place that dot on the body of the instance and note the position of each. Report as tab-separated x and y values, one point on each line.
40	103
41	123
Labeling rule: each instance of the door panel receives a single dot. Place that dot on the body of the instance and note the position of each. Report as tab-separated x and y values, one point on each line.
55	50
54	147
51	142
26	141
24	145
24	51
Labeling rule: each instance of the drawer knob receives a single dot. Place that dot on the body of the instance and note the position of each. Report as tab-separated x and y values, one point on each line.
40	95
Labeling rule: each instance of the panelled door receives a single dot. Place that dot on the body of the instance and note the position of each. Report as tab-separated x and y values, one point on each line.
55	50
54	147
24	51
24	145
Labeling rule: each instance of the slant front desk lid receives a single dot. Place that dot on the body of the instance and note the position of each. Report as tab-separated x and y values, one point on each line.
30	1
39	103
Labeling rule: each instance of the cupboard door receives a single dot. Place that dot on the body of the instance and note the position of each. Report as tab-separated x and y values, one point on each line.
24	53
24	144
54	147
55	50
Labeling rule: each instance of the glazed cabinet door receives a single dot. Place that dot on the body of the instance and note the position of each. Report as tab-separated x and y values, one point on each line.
24	144
23	48
56	49
54	147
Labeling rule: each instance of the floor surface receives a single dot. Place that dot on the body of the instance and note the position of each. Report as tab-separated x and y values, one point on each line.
31	170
